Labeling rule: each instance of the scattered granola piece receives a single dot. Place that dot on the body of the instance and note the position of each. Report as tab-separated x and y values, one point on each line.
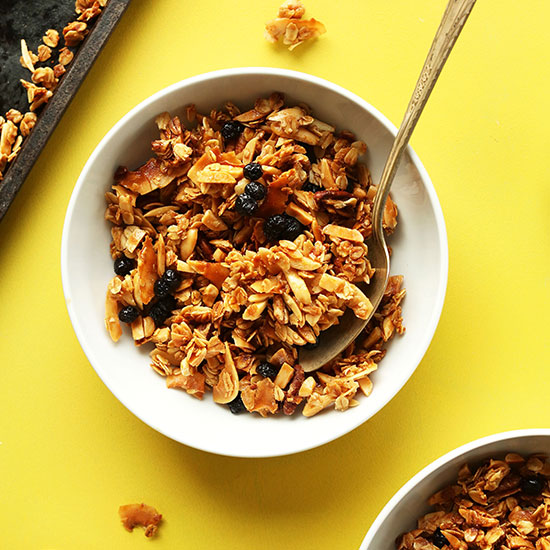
83	5
290	26
14	115
59	70
51	38
74	33
7	137
27	123
292	9
65	56
143	515
44	53
44	76
93	10
36	95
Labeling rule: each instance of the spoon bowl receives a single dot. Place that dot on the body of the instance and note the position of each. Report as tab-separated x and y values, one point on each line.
340	336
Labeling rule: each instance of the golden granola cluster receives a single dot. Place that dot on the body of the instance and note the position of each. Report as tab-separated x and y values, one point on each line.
44	79
503	504
290	26
243	301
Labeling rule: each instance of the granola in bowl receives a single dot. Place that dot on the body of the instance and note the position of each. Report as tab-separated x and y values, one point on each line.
240	241
501	504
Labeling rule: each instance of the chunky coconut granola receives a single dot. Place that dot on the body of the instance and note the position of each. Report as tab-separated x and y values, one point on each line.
290	26
240	241
503	504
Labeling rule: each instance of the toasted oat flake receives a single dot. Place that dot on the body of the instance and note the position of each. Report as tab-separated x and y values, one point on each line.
65	56
241	297
51	38
44	53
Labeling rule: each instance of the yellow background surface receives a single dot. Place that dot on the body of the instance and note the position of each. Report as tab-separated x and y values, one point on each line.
71	453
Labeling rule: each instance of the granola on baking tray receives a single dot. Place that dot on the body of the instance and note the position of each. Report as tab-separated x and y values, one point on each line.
501	505
44	79
240	241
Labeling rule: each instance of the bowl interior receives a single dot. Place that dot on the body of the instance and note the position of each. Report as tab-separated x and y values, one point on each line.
410	502
420	253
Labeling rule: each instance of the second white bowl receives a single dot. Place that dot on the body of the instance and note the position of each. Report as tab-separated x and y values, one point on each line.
411	501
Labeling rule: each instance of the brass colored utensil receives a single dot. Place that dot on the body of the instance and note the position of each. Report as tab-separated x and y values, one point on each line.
339	337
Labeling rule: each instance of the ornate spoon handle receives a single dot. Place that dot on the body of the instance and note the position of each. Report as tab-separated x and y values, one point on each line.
453	21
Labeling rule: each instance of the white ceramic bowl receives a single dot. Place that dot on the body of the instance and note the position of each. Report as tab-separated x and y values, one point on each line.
420	253
410	502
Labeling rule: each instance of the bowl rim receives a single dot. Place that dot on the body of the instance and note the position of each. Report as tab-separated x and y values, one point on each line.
422	346
439	463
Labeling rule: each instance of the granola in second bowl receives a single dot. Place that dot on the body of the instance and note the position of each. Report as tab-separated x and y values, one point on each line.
501	505
241	240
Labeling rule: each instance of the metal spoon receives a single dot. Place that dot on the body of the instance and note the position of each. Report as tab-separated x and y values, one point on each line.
339	337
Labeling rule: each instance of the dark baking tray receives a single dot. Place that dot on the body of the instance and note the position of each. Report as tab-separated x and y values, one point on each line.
29	20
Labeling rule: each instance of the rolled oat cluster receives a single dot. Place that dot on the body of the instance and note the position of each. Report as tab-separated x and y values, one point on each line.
240	241
503	504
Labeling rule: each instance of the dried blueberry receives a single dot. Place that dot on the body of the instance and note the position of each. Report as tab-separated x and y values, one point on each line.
267	370
245	205
169	282
350	186
162	309
124	265
308	186
255	190
169	303
310	152
282	226
171	275
253	171
231	129
532	486
172	278
439	539
237	406
128	314
162	288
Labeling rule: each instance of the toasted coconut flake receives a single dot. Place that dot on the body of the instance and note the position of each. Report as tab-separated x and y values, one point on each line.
227	387
26	57
147	271
340	232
